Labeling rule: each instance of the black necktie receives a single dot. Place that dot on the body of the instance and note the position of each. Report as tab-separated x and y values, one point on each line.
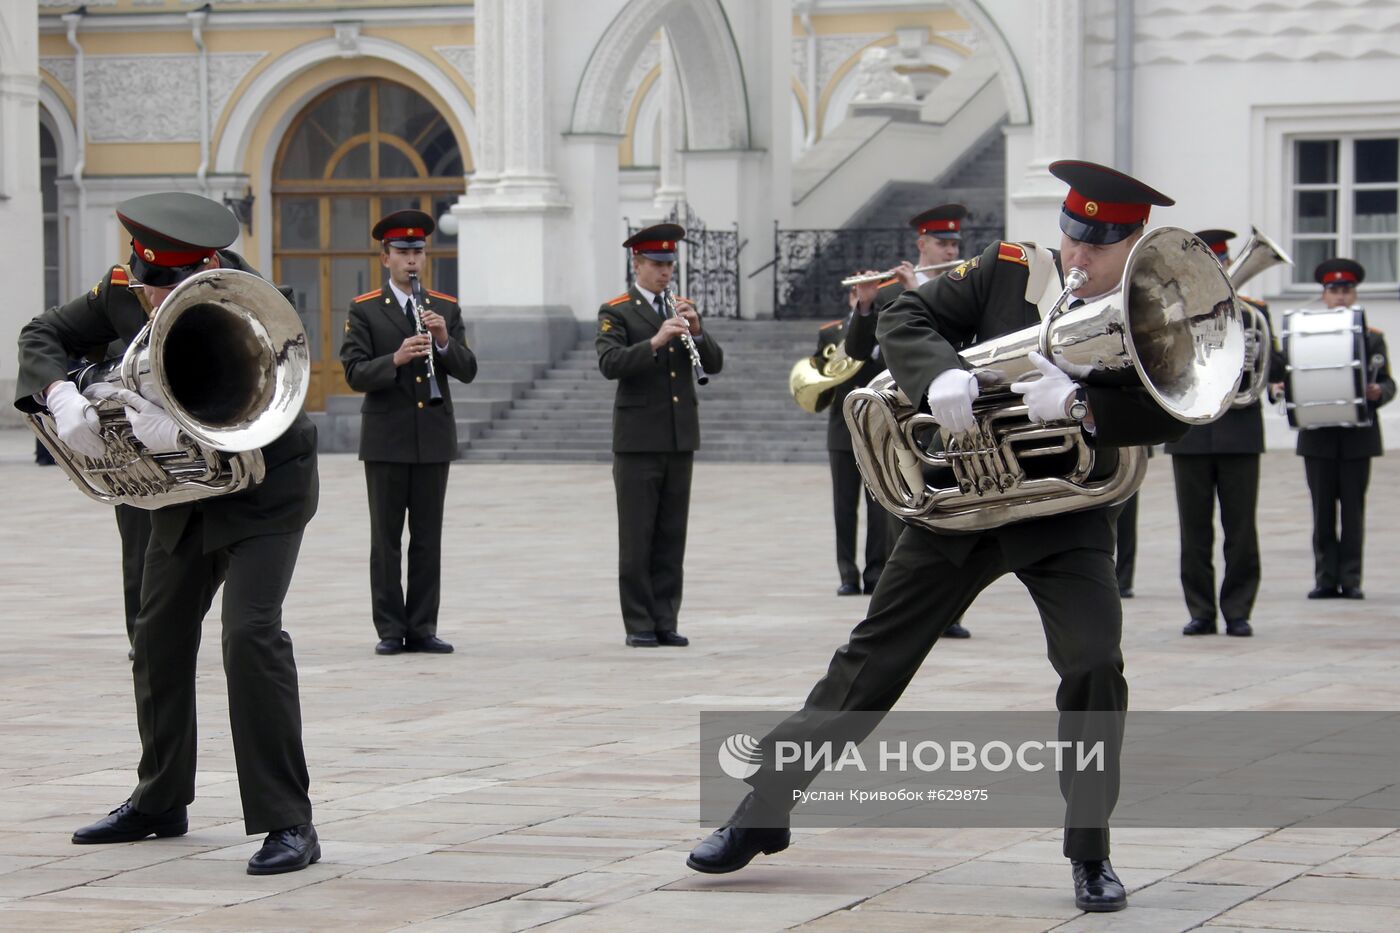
1076	303
408	310
660	308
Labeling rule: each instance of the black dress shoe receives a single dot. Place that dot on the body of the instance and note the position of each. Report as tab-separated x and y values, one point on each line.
1200	627
848	589
674	639
642	640
1324	592
284	850
870	586
1352	592
430	645
389	646
733	846
1096	887
127	824
1240	628
1125	592
956	630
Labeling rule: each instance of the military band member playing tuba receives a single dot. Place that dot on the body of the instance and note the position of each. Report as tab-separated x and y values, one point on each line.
246	542
1065	560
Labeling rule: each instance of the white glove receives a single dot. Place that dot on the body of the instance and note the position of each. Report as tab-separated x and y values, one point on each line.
76	419
1047	396
155	429
950	399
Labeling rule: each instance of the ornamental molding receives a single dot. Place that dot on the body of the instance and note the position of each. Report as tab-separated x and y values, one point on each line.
147	98
462	58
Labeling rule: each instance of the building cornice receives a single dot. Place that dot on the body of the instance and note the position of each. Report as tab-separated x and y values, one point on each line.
52	23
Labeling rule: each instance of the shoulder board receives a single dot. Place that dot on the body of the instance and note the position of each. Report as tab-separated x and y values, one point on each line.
888	282
368	295
119	278
1013	252
830	324
443	295
619	299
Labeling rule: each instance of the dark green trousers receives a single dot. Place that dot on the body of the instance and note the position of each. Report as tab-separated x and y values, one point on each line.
418	491
920	594
263	702
134	526
1338	486
847	491
653	511
1201	479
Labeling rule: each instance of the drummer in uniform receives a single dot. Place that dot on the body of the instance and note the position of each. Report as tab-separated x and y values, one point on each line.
1337	460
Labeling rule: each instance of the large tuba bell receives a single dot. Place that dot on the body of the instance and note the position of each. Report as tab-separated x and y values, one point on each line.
226	356
1259	253
1172	327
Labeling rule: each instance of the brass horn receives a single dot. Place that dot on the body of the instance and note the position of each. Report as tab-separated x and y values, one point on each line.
1172	327
1259	253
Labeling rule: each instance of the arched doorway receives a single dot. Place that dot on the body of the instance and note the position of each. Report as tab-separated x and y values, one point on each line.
357	152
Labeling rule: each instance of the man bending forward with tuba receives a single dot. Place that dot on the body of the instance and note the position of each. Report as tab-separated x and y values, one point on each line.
247	542
1065	561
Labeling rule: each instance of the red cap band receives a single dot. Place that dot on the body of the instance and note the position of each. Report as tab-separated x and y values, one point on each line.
1220	247
1340	275
405	233
939	226
1107	212
654	246
170	257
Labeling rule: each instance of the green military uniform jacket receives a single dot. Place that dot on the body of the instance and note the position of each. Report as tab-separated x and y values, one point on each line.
282	503
858	335
982	298
656	409
1354	443
397	425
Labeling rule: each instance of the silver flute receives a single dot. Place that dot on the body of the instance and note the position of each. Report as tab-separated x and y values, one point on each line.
695	364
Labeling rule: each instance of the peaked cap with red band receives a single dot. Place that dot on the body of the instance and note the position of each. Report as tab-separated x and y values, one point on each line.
658	242
1103	204
404	229
943	221
1217	240
173	233
1346	271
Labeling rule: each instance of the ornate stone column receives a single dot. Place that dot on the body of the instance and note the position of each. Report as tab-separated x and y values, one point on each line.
670	190
21	208
1057	96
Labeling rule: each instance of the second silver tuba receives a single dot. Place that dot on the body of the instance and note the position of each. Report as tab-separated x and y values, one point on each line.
1172	327
1259	253
226	356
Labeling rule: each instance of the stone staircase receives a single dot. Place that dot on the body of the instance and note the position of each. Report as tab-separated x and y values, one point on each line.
565	414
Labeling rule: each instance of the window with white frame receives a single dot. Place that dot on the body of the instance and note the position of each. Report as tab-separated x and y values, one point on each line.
1344	198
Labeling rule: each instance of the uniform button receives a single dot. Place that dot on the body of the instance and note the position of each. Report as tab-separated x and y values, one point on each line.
418	378
673	374
674	398
672	349
420	404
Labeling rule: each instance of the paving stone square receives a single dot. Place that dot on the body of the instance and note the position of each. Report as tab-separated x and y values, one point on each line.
545	776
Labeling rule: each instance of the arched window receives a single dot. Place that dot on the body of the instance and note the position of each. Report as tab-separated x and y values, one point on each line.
359	151
48	189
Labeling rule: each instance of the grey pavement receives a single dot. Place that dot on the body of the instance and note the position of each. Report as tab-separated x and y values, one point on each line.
544	776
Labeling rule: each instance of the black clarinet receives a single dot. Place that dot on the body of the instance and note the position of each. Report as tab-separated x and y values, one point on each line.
698	367
434	390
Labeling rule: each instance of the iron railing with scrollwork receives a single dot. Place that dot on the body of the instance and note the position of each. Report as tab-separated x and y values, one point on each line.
810	264
708	265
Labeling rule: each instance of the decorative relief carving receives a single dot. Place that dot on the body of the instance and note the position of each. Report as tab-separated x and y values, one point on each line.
878	82
462	58
649	59
1186	32
969	39
147	98
347	37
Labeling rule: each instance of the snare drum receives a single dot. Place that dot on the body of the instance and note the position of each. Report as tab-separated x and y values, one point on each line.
1326	382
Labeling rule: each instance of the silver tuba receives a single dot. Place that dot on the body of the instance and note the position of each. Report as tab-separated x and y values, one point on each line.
1172	327
226	356
1259	253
